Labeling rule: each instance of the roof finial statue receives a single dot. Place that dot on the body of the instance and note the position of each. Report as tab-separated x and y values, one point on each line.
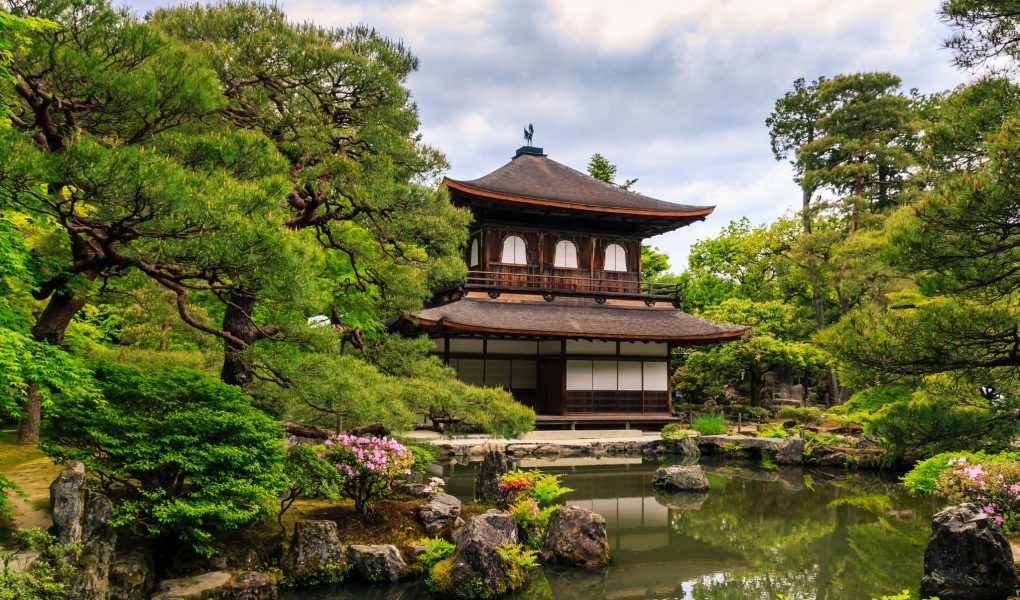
529	132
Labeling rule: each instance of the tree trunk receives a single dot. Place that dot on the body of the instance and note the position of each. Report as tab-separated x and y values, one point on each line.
238	322
164	335
832	382
49	327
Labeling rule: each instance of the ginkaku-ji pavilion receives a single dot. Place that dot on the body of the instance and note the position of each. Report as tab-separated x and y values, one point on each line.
553	308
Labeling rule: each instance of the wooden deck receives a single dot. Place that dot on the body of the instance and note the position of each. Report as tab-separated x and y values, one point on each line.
643	421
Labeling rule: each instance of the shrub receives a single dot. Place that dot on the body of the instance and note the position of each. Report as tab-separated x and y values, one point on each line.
369	466
771	431
436	550
993	486
803	415
518	561
673	433
436	485
8	487
750	412
423	457
926	425
46	577
543	488
308	477
531	520
710	424
923	478
179	452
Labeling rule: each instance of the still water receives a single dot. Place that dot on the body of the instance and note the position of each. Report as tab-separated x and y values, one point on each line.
804	533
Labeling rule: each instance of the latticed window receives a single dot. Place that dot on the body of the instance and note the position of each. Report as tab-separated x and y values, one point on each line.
515	252
616	258
566	255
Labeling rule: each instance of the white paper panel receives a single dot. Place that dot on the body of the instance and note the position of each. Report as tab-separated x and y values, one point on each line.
546	347
604	375
471	370
463	345
524	374
512	347
597	347
438	345
629	375
656	379
579	375
643	349
497	373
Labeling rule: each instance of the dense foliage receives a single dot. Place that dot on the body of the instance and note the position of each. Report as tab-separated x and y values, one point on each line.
180	452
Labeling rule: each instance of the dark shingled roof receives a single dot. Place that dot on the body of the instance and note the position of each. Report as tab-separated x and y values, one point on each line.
535	178
575	319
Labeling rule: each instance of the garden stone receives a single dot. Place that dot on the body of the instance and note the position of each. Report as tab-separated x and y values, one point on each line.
791	452
132	575
82	516
477	557
440	515
218	585
377	563
681	478
490	473
314	554
576	536
968	557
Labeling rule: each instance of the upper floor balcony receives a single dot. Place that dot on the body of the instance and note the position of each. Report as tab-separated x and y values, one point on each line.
600	284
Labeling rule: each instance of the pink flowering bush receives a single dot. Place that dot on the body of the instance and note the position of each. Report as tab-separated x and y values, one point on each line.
369	466
992	486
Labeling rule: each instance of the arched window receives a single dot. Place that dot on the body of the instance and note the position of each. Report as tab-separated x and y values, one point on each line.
566	255
514	251
473	254
616	258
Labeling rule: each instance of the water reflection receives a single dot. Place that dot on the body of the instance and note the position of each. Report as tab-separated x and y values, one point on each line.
758	533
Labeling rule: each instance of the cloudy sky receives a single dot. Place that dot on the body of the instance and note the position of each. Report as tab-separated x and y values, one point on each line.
675	92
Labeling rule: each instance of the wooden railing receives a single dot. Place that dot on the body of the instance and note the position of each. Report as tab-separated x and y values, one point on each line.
526	278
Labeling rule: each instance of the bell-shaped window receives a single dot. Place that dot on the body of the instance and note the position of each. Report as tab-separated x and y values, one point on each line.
566	255
473	253
616	258
515	252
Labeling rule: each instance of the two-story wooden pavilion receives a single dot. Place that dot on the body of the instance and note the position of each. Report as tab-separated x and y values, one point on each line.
554	308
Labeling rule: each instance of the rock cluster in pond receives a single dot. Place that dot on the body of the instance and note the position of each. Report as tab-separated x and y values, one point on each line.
476	569
576	536
218	585
81	516
441	514
681	478
968	557
490	473
377	563
314	554
791	452
686	447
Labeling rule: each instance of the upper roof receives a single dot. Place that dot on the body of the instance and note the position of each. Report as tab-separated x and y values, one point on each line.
579	319
538	180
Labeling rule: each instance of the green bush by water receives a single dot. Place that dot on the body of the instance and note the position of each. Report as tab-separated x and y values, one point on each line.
710	424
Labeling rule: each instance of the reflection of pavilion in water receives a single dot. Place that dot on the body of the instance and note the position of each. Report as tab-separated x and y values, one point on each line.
649	559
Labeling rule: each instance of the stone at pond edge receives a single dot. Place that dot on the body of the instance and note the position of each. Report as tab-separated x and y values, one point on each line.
314	554
681	478
132	575
218	585
967	557
686	447
476	569
576	536
490	473
791	452
377	563
82	516
441	514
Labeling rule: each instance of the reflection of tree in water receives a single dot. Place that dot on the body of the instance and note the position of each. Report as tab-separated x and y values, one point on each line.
845	536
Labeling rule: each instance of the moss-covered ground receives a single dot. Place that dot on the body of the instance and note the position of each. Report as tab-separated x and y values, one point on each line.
33	472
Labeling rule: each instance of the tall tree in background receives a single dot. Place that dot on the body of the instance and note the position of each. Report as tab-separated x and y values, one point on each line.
983	31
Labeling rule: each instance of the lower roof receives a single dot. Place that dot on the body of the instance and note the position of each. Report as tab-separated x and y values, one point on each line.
577	319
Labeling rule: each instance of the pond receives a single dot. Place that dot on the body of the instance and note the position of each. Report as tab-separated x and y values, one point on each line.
760	532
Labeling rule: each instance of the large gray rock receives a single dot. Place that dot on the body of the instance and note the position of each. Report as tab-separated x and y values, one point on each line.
686	447
791	452
490	473
314	554
681	478
576	536
81	516
477	562
218	585
968	557
132	575
376	563
441	514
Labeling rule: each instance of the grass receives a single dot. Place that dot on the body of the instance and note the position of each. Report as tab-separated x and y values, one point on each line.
710	424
